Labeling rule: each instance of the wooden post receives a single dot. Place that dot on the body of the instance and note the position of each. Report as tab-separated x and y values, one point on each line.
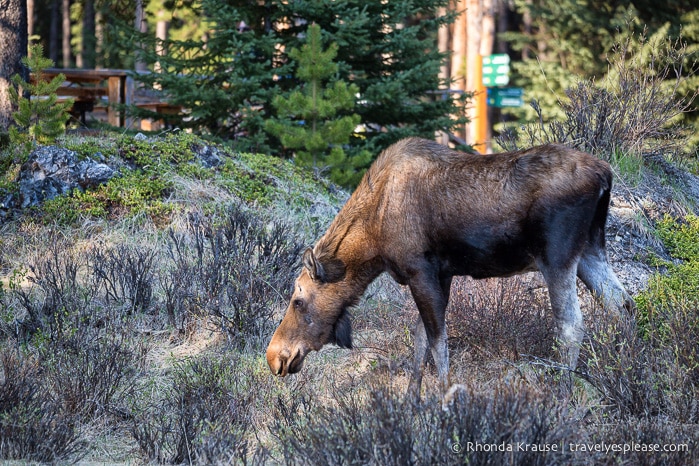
116	86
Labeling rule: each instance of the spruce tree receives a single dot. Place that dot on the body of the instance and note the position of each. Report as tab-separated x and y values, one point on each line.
40	118
229	83
307	119
389	50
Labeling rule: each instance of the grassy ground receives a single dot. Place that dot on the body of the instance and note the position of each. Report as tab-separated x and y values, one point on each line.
134	319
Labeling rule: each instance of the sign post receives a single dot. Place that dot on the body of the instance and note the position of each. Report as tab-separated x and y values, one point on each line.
480	97
501	97
496	70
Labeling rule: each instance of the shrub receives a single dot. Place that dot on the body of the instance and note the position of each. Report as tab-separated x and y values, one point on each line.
668	319
202	415
500	317
647	374
633	111
623	368
238	269
380	427
126	274
89	377
32	426
59	302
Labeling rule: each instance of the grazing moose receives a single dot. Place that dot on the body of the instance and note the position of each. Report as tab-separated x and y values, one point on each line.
424	213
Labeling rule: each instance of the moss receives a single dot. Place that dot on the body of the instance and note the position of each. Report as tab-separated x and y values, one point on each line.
133	194
681	238
249	185
679	287
68	209
148	168
88	146
151	153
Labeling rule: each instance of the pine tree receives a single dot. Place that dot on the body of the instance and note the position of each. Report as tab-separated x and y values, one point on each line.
40	118
387	49
228	82
307	119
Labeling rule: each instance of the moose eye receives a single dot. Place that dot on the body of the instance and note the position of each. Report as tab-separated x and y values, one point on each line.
298	304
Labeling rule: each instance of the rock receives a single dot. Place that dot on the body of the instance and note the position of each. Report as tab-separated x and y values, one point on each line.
209	156
92	173
53	171
140	137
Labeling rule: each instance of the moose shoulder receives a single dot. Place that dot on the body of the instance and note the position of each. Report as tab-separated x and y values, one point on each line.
424	213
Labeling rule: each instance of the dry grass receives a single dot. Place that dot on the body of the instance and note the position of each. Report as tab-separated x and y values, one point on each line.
149	349
344	403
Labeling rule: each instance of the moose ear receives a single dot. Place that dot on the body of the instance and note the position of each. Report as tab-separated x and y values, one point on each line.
327	270
314	267
342	331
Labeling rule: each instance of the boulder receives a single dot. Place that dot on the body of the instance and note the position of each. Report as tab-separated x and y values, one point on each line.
52	171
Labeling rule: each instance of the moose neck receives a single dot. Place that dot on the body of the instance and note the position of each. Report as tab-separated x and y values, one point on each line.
349	243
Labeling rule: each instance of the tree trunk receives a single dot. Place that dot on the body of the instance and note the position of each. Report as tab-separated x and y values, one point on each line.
30	18
13	36
526	28
54	34
89	40
66	33
161	28
141	25
487	44
99	38
444	76
503	14
458	57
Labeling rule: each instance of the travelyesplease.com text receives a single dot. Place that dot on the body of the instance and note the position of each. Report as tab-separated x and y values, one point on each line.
630	447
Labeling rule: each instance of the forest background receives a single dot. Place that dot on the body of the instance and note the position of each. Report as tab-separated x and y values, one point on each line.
135	311
412	61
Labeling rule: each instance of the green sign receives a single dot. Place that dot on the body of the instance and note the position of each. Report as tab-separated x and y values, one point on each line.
505	97
496	70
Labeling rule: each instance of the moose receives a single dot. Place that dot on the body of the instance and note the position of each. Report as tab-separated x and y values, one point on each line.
425	213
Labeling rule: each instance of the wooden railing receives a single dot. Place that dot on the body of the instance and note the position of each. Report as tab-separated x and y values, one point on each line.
110	88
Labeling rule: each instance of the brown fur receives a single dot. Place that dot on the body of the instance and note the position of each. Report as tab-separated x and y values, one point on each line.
425	213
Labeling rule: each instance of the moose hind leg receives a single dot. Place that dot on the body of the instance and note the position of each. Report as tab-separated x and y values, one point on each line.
566	309
597	275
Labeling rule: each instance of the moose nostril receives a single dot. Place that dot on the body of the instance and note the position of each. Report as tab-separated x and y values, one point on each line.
283	358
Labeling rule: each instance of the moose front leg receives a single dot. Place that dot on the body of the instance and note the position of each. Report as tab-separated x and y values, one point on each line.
420	345
431	300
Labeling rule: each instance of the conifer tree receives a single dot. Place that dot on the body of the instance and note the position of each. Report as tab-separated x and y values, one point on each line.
308	118
388	49
228	84
40	118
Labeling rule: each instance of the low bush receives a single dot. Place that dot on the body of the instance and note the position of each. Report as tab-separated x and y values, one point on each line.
125	274
33	426
58	301
238	268
634	111
383	427
500	318
90	377
202	416
646	369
